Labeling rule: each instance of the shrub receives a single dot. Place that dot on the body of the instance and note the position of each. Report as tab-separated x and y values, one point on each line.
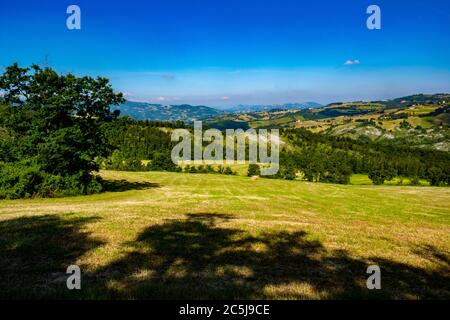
253	170
19	180
415	181
193	169
209	169
162	161
228	171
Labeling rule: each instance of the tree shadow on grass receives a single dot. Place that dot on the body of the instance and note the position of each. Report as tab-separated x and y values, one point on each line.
200	257
196	258
124	185
36	251
434	254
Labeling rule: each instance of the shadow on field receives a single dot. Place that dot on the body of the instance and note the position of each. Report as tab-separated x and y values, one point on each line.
195	258
200	257
124	185
36	251
435	255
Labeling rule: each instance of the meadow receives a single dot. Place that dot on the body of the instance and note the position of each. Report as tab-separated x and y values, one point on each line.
164	235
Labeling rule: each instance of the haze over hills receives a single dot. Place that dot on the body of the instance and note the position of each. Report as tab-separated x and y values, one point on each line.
306	110
183	112
188	113
287	106
419	120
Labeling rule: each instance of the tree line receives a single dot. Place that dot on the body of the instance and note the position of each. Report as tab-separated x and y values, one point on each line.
328	158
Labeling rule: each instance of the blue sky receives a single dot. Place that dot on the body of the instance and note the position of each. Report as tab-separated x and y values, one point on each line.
227	52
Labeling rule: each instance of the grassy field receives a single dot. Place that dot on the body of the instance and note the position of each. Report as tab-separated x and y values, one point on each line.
174	235
363	179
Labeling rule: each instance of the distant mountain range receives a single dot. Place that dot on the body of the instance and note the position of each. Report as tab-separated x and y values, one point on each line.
434	110
245	113
272	107
188	113
183	112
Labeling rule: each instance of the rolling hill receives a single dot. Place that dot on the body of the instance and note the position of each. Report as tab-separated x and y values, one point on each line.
418	120
188	113
287	106
183	112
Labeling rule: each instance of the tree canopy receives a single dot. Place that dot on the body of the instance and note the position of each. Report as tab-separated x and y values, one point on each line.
53	123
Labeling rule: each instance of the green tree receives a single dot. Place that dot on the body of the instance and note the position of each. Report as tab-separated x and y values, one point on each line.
57	121
381	172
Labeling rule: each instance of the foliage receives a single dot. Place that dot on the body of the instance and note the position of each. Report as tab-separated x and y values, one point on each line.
253	170
54	124
327	158
380	172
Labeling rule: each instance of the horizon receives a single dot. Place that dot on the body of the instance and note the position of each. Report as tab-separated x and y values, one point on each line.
226	54
222	108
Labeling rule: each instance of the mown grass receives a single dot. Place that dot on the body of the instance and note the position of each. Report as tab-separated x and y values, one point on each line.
363	179
175	235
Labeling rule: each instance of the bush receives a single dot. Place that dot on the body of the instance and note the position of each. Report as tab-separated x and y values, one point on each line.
162	161
415	181
253	170
228	171
18	180
209	169
193	169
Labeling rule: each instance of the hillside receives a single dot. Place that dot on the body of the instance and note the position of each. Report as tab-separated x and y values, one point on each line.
158	235
419	120
148	111
188	113
286	106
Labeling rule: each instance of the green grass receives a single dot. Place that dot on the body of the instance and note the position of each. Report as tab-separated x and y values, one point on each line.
363	180
173	235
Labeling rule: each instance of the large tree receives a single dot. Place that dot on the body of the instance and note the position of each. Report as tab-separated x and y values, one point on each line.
55	121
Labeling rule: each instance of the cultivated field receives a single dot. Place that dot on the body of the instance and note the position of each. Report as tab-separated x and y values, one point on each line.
174	235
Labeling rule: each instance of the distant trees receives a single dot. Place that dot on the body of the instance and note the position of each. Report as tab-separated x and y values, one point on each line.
313	157
208	169
381	172
162	162
327	158
439	174
316	163
405	125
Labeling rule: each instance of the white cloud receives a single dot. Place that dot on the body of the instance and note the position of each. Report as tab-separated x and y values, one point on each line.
161	98
225	98
352	62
